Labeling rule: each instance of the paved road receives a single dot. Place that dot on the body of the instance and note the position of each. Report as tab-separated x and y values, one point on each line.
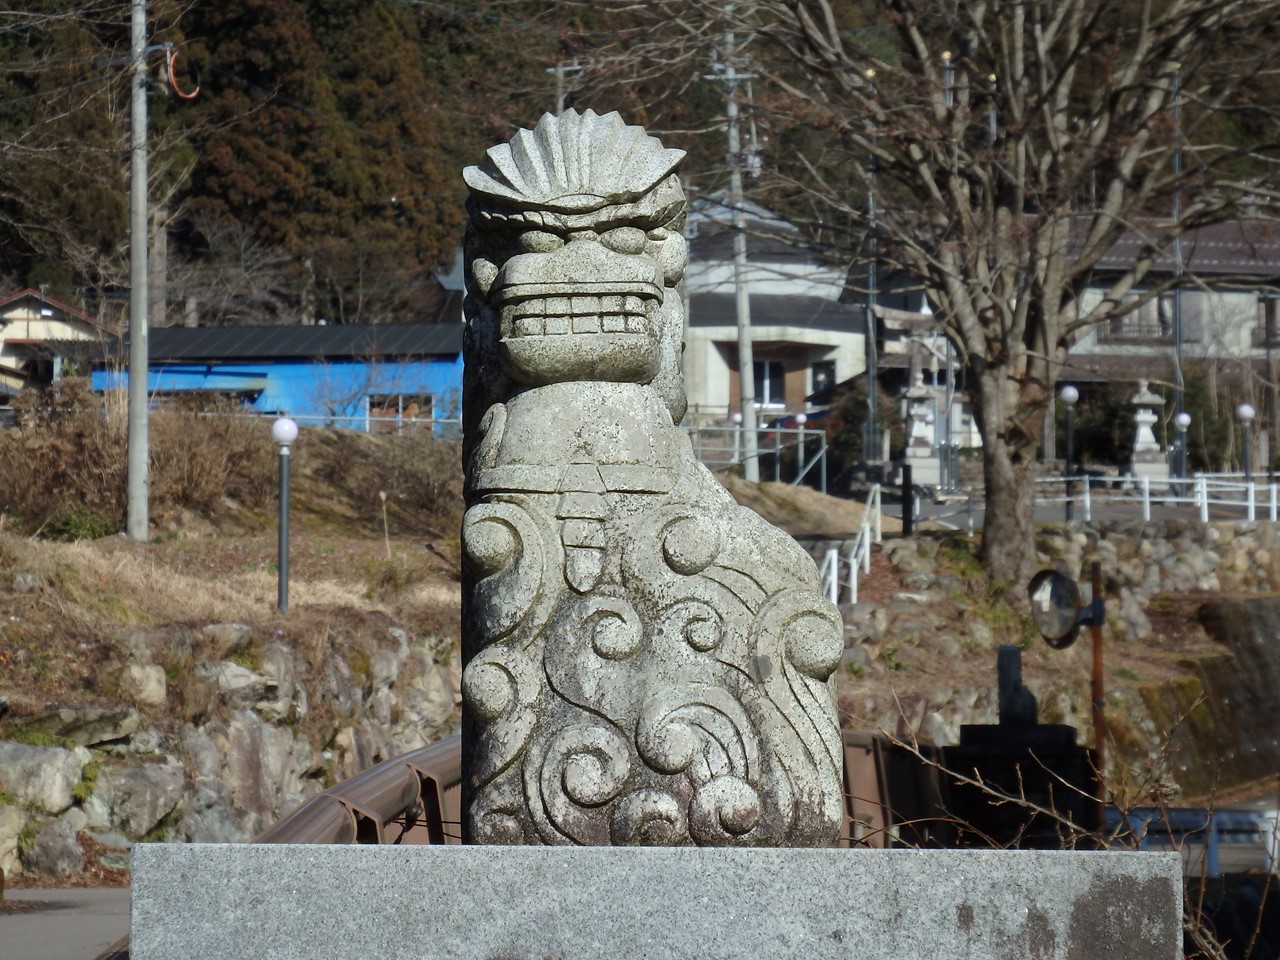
69	924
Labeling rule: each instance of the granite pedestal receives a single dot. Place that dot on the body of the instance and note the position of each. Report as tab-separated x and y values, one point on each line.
282	902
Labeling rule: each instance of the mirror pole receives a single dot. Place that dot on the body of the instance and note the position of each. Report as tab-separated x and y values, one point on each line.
1099	704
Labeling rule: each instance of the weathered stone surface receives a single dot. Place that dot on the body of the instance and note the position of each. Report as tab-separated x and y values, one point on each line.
143	684
86	726
238	684
12	820
42	777
648	662
217	641
215	902
140	797
56	851
258	766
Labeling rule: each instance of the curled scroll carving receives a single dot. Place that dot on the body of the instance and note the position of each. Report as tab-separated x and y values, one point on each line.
646	662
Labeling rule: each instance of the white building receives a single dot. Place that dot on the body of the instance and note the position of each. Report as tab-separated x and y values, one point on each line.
37	336
803	337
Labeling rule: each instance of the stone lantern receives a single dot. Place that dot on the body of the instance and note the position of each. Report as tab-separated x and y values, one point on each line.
1149	458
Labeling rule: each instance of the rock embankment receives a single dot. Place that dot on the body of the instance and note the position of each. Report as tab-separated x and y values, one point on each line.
920	645
211	733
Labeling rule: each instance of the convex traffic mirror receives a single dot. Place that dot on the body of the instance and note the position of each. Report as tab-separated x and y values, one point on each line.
1055	607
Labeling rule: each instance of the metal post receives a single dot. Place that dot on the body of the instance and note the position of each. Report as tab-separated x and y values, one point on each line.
1099	701
801	420
282	544
1146	499
822	474
1246	412
1071	491
908	501
284	432
137	457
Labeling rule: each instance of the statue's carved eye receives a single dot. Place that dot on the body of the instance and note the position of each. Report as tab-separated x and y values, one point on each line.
539	241
658	234
624	239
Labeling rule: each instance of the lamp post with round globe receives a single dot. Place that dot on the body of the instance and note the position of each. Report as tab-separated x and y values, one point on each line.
1182	420
1069	395
284	432
1246	413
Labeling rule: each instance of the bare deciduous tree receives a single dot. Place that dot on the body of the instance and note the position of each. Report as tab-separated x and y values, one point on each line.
1009	144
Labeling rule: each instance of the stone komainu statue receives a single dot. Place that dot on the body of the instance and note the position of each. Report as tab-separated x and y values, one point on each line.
646	661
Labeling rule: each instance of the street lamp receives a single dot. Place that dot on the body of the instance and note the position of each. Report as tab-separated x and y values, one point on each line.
284	432
1069	395
1182	420
1246	413
737	436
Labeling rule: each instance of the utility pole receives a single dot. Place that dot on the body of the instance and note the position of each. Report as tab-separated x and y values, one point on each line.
1177	241
562	72
746	357
137	459
872	447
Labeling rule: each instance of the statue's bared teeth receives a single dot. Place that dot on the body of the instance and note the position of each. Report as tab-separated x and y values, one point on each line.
529	327
553	316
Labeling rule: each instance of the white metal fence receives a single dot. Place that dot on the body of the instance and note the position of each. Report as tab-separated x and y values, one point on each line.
1209	496
856	557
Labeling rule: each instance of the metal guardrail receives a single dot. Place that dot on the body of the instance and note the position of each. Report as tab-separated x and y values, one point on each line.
857	556
1226	496
419	792
1212	842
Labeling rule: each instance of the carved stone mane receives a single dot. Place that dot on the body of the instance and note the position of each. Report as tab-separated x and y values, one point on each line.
646	661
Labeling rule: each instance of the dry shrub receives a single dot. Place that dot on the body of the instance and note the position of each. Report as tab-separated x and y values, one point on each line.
63	471
201	458
420	475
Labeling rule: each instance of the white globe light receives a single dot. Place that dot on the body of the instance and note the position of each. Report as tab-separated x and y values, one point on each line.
737	417
802	419
1182	420
1069	395
284	431
1246	412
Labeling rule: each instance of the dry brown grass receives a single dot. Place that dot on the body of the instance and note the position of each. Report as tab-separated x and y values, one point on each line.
62	472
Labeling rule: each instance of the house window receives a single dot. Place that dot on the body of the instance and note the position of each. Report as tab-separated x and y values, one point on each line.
1153	321
399	412
823	375
1266	333
770	383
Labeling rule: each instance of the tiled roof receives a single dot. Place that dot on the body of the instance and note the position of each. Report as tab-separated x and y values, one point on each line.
1250	247
720	310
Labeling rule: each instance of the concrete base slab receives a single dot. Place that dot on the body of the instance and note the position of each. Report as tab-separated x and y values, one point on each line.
282	902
